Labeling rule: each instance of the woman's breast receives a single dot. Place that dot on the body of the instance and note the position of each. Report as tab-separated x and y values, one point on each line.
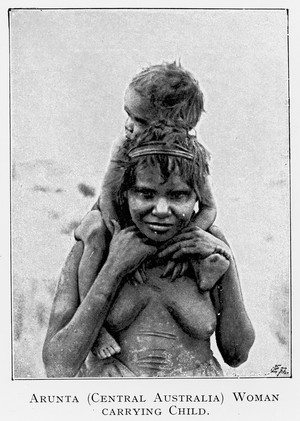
128	304
160	299
191	309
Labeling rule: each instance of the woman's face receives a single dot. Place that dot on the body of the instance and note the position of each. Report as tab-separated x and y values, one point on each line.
159	208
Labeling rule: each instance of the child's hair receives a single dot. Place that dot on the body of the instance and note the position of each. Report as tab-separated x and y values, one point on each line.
172	91
192	171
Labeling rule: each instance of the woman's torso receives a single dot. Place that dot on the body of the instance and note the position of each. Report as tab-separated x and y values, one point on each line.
162	327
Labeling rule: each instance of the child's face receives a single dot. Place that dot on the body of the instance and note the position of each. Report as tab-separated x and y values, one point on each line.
160	208
139	111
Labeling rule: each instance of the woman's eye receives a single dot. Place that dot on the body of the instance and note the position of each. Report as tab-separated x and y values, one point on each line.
147	195
179	195
144	194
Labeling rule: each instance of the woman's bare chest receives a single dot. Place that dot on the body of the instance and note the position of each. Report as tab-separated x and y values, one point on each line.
159	300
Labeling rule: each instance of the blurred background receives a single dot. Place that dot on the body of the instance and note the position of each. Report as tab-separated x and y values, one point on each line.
69	70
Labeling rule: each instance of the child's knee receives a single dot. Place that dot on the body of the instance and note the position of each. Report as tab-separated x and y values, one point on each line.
92	230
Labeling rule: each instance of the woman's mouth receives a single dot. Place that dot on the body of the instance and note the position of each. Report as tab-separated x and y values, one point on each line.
159	227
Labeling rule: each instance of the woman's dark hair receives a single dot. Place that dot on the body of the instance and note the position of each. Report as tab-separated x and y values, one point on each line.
192	171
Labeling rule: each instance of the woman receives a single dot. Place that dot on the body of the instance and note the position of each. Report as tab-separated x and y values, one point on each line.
163	326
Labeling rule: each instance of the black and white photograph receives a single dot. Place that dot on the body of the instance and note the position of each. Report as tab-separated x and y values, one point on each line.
150	202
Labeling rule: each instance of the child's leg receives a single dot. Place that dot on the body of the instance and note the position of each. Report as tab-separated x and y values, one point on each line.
105	345
95	232
209	270
95	237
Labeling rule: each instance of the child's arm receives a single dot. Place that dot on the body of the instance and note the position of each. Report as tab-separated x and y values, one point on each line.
204	220
208	208
107	200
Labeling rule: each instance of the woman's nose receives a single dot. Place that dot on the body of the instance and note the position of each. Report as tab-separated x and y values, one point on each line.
129	125
161	209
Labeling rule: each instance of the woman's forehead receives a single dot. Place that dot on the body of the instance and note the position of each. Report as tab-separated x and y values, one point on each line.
151	176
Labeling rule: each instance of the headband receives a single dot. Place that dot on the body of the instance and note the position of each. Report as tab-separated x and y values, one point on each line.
160	148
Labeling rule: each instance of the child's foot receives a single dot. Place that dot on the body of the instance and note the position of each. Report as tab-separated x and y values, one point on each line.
211	269
105	345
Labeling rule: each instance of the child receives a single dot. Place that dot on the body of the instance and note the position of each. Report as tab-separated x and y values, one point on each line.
161	93
164	94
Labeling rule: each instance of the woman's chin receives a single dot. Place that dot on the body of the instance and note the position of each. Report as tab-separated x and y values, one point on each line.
159	236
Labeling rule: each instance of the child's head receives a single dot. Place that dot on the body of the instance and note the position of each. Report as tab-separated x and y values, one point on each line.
164	92
166	151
